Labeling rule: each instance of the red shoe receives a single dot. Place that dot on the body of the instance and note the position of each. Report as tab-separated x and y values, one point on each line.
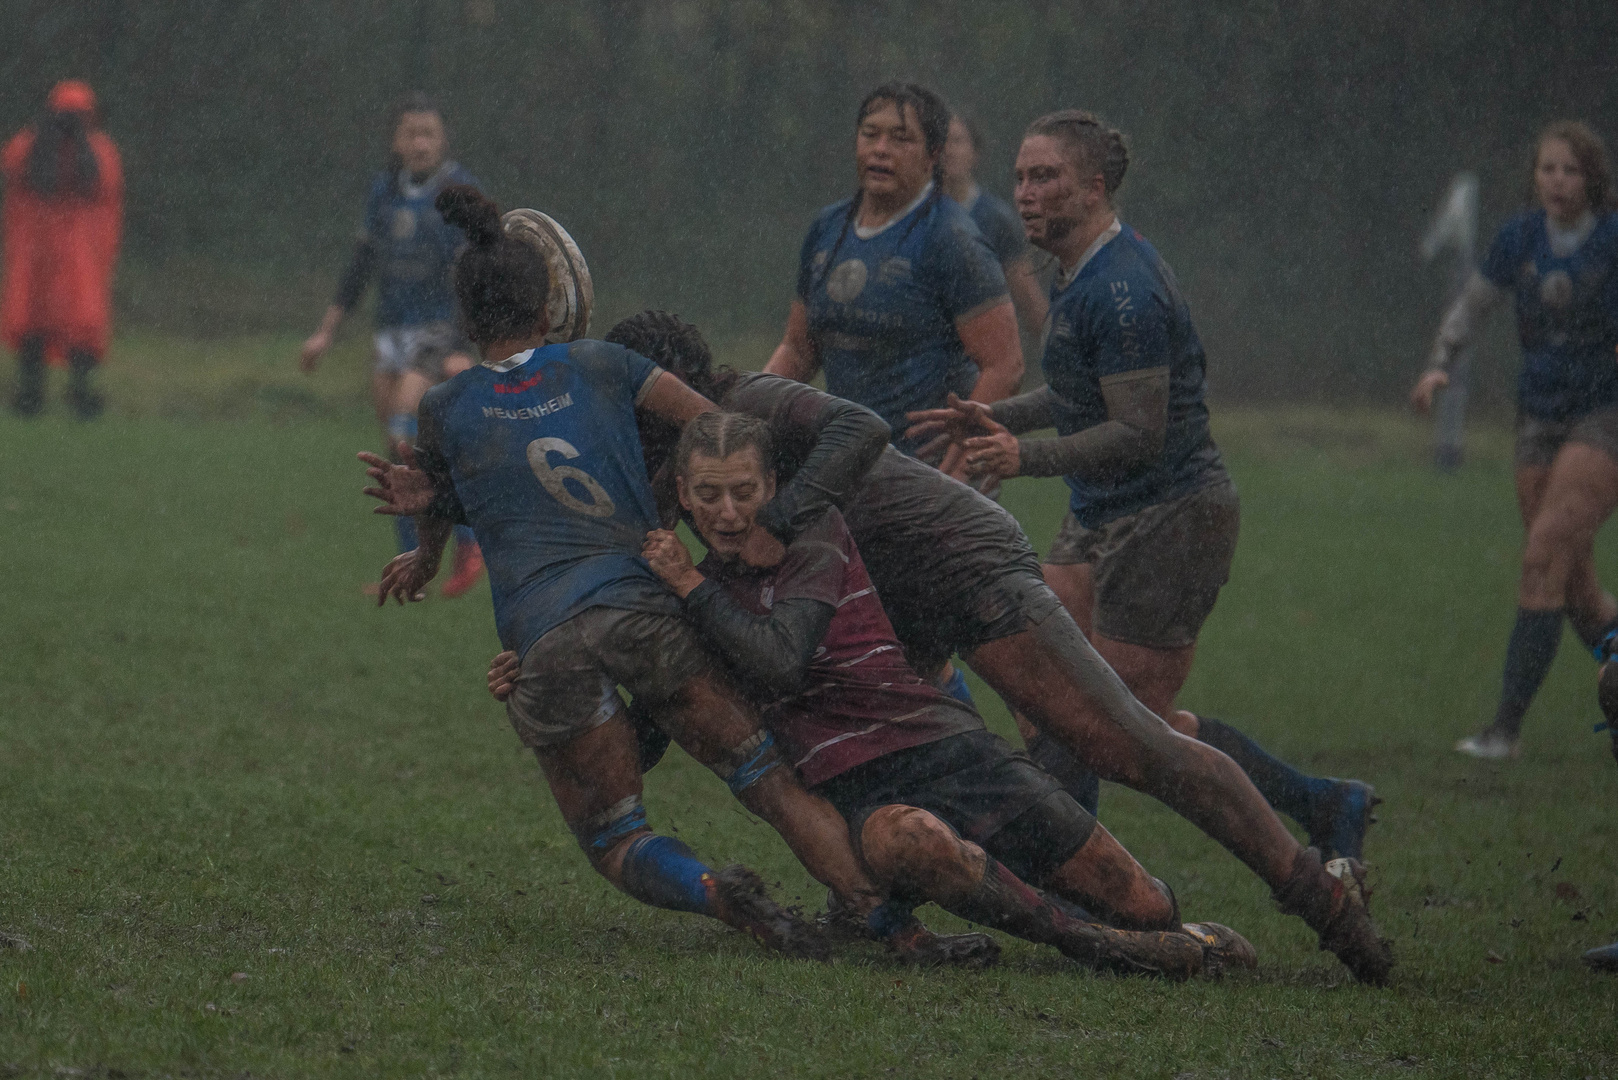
468	568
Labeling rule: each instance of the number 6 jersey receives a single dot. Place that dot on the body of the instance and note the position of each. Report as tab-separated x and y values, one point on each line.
540	454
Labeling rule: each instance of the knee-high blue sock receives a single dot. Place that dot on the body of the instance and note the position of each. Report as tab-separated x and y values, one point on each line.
1529	655
1283	787
403	426
956	688
663	872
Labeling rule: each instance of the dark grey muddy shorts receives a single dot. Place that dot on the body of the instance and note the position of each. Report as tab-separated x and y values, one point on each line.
1538	441
569	680
1157	572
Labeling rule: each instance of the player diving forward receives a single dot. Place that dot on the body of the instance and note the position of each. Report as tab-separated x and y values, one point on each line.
536	448
957	574
940	809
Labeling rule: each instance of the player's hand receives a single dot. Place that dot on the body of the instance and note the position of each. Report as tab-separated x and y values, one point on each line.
1421	397
313	349
405	490
958	420
997	454
671	561
406	578
503	670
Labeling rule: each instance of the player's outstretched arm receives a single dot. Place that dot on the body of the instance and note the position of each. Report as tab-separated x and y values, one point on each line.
405	490
1128	440
407	575
836	441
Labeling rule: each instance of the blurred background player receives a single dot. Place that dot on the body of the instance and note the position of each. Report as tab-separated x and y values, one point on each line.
1153	515
1559	262
996	220
900	300
407	246
63	218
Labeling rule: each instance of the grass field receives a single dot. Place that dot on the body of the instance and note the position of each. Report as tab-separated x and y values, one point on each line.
251	825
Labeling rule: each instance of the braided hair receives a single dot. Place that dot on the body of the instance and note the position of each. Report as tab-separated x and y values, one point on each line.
933	116
1097	147
718	435
61	163
502	285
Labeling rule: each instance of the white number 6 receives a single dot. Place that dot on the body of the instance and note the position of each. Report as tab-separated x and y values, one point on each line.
600	504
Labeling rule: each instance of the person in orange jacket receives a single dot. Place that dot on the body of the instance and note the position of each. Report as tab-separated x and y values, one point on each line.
62	220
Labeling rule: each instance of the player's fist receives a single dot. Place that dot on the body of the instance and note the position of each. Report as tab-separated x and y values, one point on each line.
1421	396
503	671
997	454
670	561
406	578
958	420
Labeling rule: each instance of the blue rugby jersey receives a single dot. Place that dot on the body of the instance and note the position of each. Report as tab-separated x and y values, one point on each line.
883	318
1567	315
1123	312
414	247
1000	225
544	461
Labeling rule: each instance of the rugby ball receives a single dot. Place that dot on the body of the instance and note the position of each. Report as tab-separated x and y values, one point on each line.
572	295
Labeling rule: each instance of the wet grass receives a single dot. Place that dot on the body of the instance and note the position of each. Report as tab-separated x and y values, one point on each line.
251	825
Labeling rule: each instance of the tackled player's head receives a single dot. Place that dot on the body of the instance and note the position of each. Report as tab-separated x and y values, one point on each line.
722	466
502	285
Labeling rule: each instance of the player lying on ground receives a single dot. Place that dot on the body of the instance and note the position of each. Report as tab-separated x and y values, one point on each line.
1154	516
941	809
956	573
575	600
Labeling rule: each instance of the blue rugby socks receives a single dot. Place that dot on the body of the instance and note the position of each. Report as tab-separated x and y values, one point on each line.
955	687
1529	655
1283	787
663	872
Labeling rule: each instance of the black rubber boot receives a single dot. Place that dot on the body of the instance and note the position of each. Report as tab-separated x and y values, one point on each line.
29	398
87	404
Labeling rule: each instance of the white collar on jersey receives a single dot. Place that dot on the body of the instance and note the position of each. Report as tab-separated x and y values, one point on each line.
510	363
865	234
1066	276
412	190
1565	242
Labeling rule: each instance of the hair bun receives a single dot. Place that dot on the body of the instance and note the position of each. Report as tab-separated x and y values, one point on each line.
467	208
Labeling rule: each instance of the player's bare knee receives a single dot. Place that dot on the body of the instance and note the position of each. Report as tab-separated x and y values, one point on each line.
907	845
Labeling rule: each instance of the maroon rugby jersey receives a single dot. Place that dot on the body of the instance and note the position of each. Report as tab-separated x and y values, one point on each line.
861	698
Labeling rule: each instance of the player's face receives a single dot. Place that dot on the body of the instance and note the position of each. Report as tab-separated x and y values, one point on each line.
1050	199
960	157
1559	181
420	141
890	154
724	496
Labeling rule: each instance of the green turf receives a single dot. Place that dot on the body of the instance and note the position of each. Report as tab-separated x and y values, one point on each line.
251	825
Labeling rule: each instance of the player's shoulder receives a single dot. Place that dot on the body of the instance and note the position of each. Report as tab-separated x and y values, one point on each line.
829	218
989	207
822	547
949	218
1519	230
441	398
755	391
460	174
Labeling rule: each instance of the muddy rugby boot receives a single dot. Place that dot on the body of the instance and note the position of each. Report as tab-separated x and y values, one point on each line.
739	900
912	944
1332	899
1223	949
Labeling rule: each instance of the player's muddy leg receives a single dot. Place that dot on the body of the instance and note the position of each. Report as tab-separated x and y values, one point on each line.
407	390
917	854
1054	676
713	724
596	781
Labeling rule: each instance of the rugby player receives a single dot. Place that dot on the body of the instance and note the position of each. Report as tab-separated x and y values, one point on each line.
408	248
957	574
900	301
941	809
1153	515
1559	262
996	220
537	449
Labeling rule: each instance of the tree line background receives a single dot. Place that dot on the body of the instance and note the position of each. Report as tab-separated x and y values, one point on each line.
1285	156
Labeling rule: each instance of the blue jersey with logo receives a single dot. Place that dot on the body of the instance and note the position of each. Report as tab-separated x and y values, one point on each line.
882	319
544	461
1000	225
414	247
1123	312
1567	315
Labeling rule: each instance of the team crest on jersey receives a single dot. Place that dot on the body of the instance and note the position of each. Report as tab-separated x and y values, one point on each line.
1556	289
404	223
847	281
